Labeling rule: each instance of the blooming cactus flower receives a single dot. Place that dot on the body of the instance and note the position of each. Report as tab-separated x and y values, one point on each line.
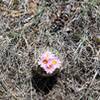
49	62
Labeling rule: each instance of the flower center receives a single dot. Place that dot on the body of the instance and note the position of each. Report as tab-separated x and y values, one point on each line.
45	61
54	62
49	66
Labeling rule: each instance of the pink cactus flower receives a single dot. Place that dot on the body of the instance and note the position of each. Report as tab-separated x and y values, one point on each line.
49	62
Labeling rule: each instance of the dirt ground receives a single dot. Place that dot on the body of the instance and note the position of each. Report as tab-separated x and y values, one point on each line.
70	27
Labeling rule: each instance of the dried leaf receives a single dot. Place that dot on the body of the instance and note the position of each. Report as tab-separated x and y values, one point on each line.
15	13
32	6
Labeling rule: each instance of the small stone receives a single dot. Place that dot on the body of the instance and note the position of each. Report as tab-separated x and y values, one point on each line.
97	38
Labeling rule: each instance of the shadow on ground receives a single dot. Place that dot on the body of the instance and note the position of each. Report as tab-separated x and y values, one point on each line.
43	84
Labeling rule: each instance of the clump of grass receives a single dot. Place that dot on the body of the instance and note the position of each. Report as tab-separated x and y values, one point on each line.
68	26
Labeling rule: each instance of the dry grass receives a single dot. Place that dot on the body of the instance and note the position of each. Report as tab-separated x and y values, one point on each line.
72	27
